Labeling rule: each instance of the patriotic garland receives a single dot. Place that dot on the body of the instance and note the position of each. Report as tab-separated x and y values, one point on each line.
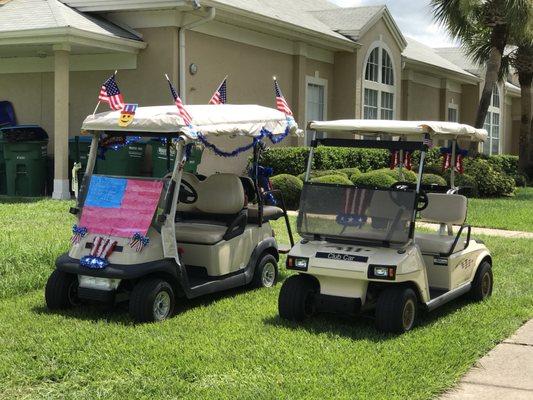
78	232
395	159
102	248
460	154
139	242
114	143
264	133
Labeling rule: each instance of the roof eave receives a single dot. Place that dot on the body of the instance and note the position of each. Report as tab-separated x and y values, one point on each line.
461	77
73	36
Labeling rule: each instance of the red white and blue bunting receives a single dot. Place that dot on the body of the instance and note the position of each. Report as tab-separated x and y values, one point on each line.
139	242
460	154
78	232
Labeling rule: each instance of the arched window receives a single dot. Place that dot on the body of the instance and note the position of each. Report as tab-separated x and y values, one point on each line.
492	124
378	86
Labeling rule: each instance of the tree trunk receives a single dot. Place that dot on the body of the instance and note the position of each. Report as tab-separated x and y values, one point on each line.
498	43
525	150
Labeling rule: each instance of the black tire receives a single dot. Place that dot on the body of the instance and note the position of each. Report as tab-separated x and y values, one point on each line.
61	290
266	272
483	282
151	300
396	309
296	300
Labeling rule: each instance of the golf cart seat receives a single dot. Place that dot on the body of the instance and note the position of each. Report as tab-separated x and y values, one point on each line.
218	211
270	213
446	210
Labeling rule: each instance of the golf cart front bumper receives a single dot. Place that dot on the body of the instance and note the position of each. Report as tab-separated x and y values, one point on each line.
71	265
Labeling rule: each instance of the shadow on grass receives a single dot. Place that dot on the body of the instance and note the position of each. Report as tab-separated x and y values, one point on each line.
16	200
119	314
362	326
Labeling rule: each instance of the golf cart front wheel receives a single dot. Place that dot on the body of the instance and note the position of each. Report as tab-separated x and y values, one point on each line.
61	290
483	281
151	300
297	298
266	272
396	310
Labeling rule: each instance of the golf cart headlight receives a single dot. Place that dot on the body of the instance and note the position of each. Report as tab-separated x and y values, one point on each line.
387	272
298	263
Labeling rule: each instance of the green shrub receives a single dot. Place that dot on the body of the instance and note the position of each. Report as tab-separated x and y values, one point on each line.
490	182
286	160
336	179
408	176
468	182
374	179
432	179
291	187
432	161
316	174
350	171
505	163
520	180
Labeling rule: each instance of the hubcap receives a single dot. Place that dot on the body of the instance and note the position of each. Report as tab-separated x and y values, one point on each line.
269	275
408	316
485	285
161	306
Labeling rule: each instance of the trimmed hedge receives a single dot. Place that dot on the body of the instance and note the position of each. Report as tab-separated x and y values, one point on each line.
291	187
490	182
408	176
337	179
375	179
316	174
432	179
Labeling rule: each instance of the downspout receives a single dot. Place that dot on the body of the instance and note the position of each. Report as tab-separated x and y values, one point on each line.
181	39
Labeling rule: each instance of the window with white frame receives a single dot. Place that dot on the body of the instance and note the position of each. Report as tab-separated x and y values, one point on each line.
378	86
492	124
315	104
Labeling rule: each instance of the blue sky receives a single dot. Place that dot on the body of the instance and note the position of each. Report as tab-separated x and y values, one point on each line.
414	17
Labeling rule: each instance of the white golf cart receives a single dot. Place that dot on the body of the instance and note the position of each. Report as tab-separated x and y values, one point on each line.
142	240
359	249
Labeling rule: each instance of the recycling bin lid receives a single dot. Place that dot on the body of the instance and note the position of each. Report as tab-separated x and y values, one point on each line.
81	139
23	133
7	114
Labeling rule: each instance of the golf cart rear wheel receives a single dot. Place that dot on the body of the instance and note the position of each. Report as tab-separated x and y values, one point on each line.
61	290
297	298
266	272
396	310
483	281
151	300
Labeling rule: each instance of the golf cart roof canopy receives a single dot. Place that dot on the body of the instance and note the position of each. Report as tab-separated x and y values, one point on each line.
415	129
224	119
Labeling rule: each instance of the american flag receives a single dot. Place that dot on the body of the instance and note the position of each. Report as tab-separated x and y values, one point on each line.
281	103
427	141
181	108
110	93
220	96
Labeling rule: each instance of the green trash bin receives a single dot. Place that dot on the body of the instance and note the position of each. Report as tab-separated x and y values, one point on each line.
3	181
126	161
160	166
25	160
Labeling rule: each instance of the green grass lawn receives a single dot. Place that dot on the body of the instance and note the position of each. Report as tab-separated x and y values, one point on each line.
232	345
512	213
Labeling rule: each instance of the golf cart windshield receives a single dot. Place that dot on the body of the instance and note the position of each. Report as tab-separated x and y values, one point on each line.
358	214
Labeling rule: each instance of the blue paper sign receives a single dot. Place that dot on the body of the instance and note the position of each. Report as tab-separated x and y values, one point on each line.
106	192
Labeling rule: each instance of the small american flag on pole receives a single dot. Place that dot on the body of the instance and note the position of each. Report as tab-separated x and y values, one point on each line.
110	93
181	108
220	96
427	141
281	103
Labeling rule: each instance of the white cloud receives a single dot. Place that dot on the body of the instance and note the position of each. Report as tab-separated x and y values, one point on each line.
414	18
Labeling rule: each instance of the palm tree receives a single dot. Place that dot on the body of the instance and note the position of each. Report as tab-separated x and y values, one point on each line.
522	60
486	23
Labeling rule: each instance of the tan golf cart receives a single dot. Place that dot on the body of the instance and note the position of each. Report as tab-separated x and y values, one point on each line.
360	249
151	241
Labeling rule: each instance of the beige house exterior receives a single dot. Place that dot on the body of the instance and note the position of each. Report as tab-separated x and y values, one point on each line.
330	62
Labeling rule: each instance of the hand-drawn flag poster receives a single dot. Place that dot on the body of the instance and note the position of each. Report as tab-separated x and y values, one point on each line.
119	206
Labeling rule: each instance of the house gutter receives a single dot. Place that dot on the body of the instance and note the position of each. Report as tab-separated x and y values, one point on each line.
211	12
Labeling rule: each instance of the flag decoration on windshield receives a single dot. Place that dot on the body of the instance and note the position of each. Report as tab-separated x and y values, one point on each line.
281	103
356	202
179	104
220	95
397	159
110	93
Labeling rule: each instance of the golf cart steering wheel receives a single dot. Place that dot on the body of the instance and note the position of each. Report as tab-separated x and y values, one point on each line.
422	198
187	194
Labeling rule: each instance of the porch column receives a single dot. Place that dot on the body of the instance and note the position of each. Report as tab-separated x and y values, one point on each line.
61	121
299	89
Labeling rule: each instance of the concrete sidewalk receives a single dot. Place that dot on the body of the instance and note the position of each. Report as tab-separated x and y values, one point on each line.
506	372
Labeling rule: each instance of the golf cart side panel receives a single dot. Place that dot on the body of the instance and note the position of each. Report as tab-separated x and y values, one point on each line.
465	263
226	256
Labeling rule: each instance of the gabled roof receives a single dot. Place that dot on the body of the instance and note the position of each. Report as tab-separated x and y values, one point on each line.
420	53
355	21
19	15
457	56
